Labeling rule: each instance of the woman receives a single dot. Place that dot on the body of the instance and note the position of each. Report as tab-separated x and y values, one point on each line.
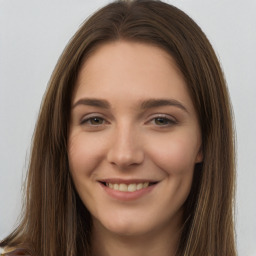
133	149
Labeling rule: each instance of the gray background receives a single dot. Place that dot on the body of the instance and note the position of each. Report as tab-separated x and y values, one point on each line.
33	35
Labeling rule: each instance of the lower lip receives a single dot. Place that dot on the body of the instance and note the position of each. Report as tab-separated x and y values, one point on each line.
127	196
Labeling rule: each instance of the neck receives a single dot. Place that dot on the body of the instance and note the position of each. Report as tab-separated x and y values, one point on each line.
162	243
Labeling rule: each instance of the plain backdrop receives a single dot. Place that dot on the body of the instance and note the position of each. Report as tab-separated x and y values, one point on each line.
32	37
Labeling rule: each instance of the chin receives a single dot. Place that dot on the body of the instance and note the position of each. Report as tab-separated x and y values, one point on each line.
124	227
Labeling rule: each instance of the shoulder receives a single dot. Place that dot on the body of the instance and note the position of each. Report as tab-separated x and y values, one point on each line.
14	252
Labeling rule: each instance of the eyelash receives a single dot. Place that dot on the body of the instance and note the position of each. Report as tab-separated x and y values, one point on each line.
167	121
89	120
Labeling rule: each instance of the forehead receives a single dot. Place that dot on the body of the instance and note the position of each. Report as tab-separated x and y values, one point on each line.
131	71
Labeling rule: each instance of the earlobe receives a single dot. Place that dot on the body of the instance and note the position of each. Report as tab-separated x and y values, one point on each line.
199	157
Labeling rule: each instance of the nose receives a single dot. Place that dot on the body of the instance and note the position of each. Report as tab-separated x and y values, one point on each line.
126	148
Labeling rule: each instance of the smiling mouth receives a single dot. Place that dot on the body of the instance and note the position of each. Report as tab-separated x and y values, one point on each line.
132	187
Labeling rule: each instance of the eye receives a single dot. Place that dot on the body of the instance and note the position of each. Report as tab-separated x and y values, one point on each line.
93	121
163	121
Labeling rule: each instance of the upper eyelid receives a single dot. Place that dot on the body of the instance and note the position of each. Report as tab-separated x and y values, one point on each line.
91	115
167	116
87	117
86	122
108	119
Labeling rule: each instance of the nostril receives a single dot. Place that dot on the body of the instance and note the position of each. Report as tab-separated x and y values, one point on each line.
124	153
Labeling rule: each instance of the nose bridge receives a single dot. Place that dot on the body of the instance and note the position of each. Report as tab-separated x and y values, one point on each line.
126	147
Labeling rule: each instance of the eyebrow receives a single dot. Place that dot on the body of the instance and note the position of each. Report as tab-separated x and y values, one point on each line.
153	103
146	104
92	102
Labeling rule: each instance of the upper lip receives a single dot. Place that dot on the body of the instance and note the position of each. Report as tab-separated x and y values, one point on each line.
126	181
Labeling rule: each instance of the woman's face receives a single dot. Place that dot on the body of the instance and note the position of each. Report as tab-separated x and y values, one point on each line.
134	139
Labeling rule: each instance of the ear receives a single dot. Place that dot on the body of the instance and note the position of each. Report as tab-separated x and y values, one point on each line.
199	157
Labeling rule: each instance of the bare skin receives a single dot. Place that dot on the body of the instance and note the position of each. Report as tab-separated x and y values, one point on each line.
134	141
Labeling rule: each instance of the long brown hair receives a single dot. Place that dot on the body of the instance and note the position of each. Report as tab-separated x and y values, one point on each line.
55	221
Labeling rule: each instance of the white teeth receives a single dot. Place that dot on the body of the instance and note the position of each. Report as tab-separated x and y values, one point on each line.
145	184
123	187
139	186
127	187
132	187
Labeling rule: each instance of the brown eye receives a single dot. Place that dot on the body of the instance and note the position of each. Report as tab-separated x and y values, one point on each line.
163	121
94	121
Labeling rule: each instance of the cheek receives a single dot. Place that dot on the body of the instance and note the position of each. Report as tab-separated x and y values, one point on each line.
84	154
175	155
